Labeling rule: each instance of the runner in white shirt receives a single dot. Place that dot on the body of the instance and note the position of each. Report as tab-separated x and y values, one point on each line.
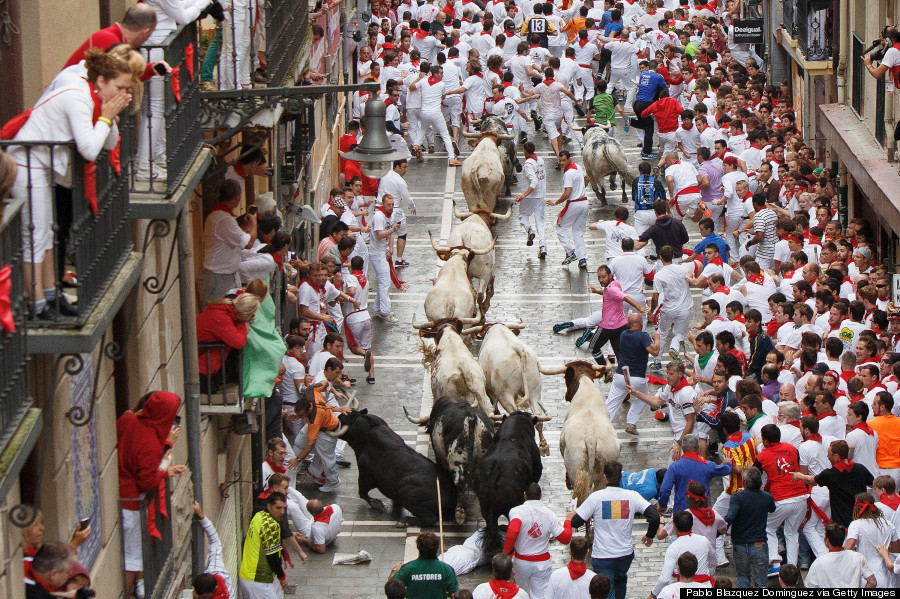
630	269
294	378
683	181
679	394
839	568
433	91
572	221
468	556
551	92
357	320
476	90
686	542
615	230
733	202
585	55
573	580
313	298
672	296
326	524
862	440
501	584
531	201
381	253
452	106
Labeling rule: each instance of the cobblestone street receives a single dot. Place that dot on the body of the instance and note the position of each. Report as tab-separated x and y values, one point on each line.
540	294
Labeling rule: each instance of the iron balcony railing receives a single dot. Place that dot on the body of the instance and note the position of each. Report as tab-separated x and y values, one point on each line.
221	392
94	243
14	396
810	23
155	551
286	27
170	109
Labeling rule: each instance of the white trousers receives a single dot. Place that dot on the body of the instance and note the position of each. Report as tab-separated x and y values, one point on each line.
152	136
732	224
37	212
617	395
716	217
383	276
416	135
721	505
587	80
235	54
452	109
673	329
324	460
643	219
261	590
533	207
667	142
790	513
570	228
533	577
686	205
568	119
436	120
623	79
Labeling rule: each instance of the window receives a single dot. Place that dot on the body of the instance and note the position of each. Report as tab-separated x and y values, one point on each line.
879	109
857	82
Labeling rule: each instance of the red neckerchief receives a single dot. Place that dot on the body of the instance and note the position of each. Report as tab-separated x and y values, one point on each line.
789	274
583	42
479	75
681	385
795	423
570	166
843	465
705	514
239	169
891	502
723	289
504	589
815	437
498	72
688	127
740	317
825	415
432	80
388	102
265	493
576	569
863	427
508	34
735	437
507	84
717	261
324	515
222	207
420	34
683	534
278	259
835	549
757	279
674	162
531	157
693	455
857	398
359	276
549	81
381	210
274	467
619	222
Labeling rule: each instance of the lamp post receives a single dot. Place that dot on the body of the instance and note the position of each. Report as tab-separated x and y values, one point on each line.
374	152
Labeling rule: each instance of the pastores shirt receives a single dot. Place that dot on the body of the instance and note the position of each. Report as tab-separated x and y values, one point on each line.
427	579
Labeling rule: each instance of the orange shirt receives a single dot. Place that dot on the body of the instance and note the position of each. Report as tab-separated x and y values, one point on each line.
888	429
324	419
573	27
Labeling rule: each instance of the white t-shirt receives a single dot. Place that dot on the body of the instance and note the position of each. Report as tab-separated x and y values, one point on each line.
613	510
380	222
324	530
317	362
673	591
432	95
698	545
573	178
868	534
537	177
673	289
484	591
864	446
628	268
622	54
616	231
814	455
476	94
849	332
551	99
681	403
293	371
468	556
838	569
561	585
538	526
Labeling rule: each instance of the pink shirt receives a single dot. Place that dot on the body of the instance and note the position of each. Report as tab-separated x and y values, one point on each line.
613	314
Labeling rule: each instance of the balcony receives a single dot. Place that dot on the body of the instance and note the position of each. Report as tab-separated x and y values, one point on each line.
808	25
19	422
91	245
156	552
161	184
221	392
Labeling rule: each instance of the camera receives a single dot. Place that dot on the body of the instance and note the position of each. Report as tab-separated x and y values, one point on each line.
85	593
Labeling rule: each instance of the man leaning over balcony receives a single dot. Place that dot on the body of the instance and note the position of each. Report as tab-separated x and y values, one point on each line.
890	62
224	236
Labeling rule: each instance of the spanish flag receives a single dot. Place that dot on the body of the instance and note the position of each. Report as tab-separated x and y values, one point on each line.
616	510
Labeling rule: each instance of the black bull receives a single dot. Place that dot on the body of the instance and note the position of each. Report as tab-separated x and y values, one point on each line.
460	435
398	471
512	462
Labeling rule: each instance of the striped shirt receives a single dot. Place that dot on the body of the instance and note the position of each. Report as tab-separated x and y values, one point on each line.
741	452
764	220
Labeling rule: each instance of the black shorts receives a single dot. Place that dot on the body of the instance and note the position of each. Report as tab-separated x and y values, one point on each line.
403	237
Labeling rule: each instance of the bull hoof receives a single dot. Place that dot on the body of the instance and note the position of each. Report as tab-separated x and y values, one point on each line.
545	448
612	185
460	515
377	505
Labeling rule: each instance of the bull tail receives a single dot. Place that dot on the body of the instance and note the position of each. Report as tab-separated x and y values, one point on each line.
526	400
620	164
493	541
582	487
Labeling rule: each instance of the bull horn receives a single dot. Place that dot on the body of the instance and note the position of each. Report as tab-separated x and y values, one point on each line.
545	418
516	326
598	370
471	330
419	421
496	417
503	216
474	320
339	433
461	215
551	371
438	249
505	136
424	325
483	251
467	134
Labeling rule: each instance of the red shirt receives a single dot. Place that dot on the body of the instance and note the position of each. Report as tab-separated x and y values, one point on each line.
667	111
103	39
779	462
347	140
218	324
369	185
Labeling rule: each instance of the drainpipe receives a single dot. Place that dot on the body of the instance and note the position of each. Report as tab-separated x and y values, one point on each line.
890	142
191	377
843	12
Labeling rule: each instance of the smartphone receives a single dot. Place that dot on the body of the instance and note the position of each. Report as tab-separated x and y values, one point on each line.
177	420
252	210
160	69
83	523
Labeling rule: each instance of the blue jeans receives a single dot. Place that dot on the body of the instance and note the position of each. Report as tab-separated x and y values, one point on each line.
616	569
752	563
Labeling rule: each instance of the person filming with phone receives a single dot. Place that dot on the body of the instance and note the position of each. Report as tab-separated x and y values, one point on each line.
889	62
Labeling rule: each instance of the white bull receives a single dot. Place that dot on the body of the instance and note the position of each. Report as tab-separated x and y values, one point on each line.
476	230
511	371
452	295
482	172
603	156
587	440
454	371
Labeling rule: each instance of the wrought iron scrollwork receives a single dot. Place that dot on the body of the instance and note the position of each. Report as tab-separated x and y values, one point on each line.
231	483
152	284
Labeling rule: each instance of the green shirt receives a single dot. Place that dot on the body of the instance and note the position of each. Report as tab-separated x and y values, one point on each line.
263	538
427	579
604	109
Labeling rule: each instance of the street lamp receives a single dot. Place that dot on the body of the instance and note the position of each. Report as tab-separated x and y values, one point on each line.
374	152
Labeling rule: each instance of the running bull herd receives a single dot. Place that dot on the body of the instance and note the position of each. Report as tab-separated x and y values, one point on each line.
478	450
